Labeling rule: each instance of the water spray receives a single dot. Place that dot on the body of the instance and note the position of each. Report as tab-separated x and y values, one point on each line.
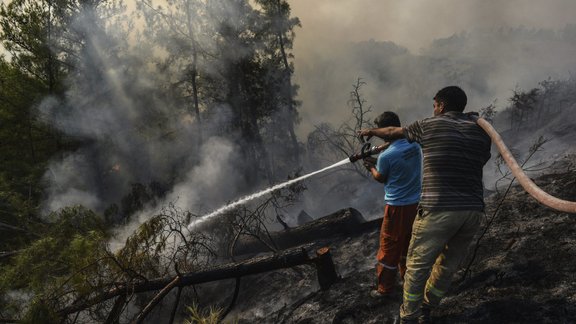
366	151
245	199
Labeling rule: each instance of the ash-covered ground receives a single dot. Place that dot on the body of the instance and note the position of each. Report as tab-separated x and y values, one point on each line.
524	271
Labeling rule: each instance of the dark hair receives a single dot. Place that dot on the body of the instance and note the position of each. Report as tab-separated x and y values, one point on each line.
387	119
453	98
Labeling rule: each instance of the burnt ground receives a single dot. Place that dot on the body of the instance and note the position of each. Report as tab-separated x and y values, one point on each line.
524	271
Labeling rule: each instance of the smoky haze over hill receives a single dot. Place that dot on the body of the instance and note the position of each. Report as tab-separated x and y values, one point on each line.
405	51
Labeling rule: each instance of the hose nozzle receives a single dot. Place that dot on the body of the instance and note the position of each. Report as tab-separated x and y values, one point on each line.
367	150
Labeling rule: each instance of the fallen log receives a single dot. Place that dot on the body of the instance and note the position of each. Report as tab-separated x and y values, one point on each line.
283	259
344	222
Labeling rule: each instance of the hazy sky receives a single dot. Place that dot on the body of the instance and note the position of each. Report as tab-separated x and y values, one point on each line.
415	23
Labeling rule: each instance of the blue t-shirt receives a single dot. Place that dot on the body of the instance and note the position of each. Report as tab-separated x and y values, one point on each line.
401	166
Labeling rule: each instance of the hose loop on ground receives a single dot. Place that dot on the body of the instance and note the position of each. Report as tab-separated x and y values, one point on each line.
523	179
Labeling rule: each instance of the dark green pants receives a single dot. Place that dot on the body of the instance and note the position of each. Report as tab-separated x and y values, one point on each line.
440	240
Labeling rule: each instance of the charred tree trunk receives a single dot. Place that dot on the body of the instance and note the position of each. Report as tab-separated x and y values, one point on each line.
194	75
325	268
287	85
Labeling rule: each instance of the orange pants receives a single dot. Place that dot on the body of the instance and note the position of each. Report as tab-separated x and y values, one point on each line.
394	240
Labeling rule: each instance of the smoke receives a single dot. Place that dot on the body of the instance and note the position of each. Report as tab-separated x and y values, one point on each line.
137	149
439	39
415	24
406	51
205	186
105	111
71	184
128	135
403	51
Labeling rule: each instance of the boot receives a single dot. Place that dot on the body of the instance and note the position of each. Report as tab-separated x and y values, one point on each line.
398	320
425	317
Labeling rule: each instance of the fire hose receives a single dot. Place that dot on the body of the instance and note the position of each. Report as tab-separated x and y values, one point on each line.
523	179
526	183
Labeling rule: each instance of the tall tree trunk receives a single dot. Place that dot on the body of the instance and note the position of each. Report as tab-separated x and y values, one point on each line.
289	95
247	118
194	75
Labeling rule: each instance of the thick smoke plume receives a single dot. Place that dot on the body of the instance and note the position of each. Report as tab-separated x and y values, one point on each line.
126	138
128	135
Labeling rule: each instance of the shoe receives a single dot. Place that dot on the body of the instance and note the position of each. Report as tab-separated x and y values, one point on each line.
425	317
396	319
376	294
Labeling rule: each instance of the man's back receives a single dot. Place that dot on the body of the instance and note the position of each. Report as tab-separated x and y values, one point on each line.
401	165
455	150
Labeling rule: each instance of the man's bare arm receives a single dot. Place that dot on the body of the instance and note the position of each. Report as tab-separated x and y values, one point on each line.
370	165
386	133
377	176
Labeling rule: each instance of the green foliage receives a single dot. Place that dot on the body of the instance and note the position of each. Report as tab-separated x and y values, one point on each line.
28	30
68	259
26	147
71	260
40	313
213	54
163	243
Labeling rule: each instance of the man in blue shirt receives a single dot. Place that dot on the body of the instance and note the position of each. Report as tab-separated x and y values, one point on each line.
399	167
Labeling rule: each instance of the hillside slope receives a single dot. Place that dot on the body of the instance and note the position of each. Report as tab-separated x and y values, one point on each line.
524	271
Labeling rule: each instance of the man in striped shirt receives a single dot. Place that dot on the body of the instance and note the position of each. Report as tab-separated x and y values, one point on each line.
451	207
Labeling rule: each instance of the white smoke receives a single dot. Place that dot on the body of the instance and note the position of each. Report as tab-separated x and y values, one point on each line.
403	51
328	59
213	181
72	184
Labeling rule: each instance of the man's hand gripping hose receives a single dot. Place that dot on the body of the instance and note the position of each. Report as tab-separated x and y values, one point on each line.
367	150
523	179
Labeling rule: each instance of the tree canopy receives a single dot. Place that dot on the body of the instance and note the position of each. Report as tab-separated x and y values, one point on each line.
101	105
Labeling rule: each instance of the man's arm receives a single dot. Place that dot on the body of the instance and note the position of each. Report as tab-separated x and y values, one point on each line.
386	133
369	164
377	176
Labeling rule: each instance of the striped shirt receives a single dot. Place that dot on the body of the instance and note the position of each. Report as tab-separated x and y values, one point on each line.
455	150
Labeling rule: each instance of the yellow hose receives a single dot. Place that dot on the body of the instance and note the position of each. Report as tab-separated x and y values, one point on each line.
527	184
